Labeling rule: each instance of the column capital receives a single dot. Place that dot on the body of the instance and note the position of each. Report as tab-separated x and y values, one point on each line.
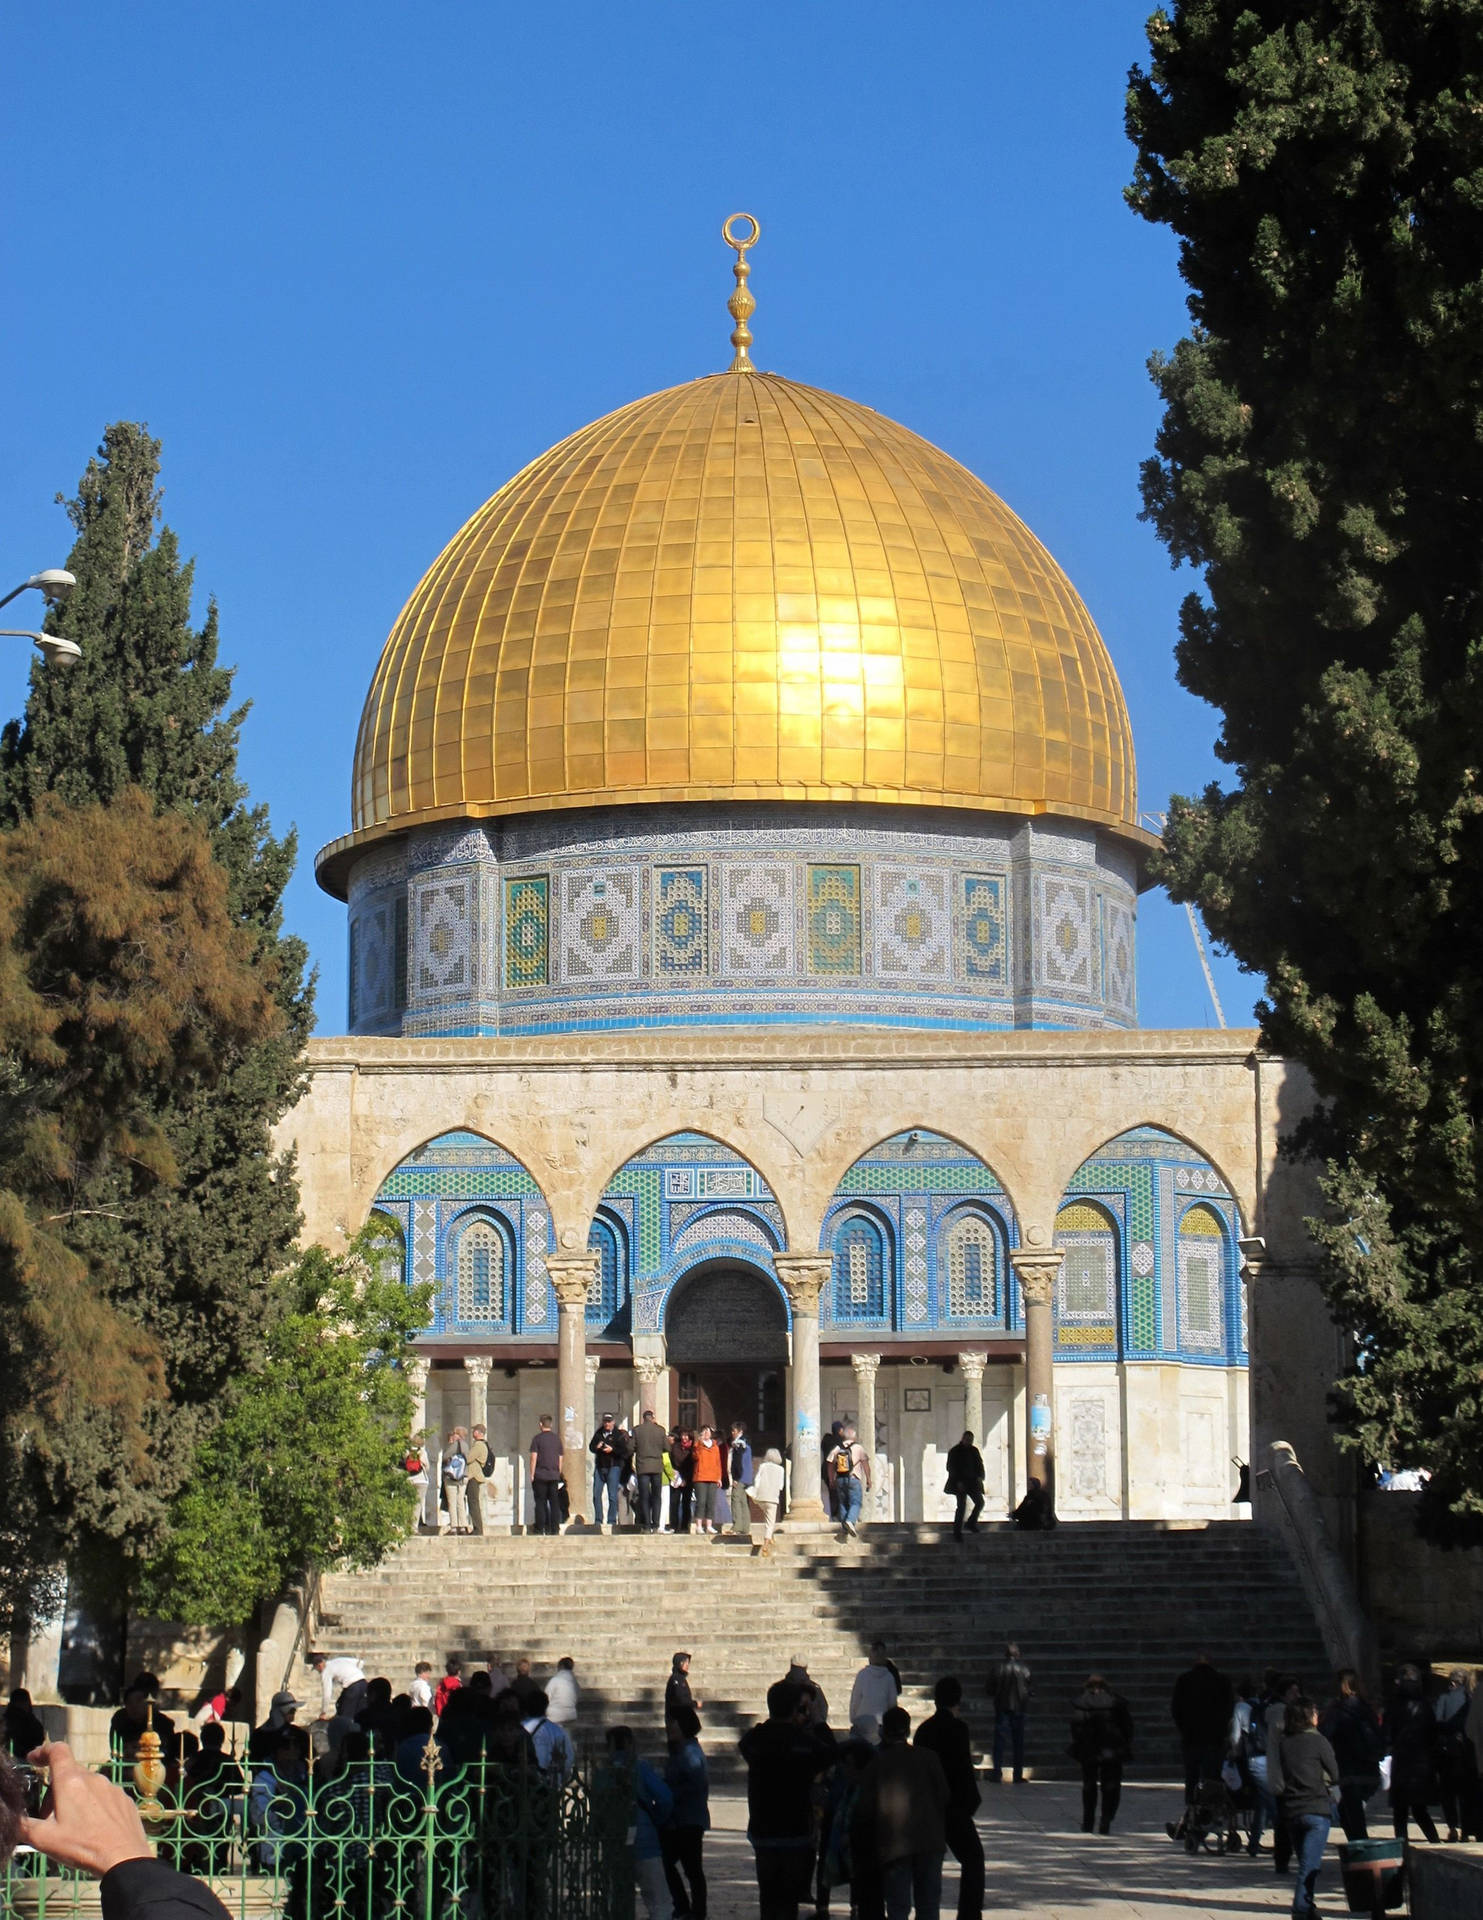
594	1366
866	1365
417	1374
803	1277
571	1276
971	1365
1037	1268
477	1365
648	1368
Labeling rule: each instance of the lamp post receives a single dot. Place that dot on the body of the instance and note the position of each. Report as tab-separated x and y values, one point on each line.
54	584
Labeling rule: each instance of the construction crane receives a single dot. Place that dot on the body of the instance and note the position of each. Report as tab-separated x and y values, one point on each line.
1156	822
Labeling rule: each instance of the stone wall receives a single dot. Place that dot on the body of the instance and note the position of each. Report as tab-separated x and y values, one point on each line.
1426	1601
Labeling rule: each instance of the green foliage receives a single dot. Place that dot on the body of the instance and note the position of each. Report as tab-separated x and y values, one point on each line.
186	1260
122	970
1321	461
305	1465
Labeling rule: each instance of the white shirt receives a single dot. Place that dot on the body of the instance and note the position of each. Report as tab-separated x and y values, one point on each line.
767	1487
422	1691
562	1695
337	1675
873	1694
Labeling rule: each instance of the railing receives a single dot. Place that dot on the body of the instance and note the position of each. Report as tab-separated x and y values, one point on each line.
483	1842
1348	1635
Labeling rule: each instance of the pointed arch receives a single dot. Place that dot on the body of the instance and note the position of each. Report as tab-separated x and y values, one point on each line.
1121	1216
864	1267
388	1245
1205	1282
435	1192
975	1266
686	1198
607	1299
478	1290
947	1226
1088	1286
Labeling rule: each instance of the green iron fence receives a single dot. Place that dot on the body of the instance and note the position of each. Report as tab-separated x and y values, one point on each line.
489	1841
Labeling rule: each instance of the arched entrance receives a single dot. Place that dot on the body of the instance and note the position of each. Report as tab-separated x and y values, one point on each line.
726	1336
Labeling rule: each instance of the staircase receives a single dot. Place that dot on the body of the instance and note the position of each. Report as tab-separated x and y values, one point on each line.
1133	1600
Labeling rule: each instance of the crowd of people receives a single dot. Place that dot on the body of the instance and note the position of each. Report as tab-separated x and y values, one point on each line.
702	1481
866	1814
1271	1757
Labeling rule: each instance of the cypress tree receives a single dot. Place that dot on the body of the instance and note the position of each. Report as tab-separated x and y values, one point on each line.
190	1260
1320	460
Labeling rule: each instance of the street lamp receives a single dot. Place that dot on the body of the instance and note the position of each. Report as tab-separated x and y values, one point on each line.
56	651
54	584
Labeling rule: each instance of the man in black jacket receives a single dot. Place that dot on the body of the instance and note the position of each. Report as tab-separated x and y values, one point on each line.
607	1450
946	1735
92	1824
965	1482
1202	1704
784	1756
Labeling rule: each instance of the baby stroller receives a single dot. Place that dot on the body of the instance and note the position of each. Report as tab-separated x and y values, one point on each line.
1218	1819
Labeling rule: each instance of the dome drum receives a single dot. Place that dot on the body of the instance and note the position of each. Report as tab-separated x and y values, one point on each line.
727	915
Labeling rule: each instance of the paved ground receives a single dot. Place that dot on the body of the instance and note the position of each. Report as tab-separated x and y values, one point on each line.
1041	1866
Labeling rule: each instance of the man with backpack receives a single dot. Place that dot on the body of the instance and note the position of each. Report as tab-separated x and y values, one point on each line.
849	1474
455	1492
477	1470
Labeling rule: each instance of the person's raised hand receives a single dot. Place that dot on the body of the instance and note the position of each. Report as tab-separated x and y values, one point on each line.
87	1821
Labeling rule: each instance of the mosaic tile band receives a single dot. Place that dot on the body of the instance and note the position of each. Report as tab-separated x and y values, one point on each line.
731	916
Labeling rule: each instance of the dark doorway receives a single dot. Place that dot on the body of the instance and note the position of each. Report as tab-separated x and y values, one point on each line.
726	1331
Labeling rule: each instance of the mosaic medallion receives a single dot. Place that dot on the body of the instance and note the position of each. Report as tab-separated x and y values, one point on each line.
983	927
681	936
834	920
526	932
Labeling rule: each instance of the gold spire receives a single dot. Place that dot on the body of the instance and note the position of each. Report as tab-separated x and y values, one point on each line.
741	306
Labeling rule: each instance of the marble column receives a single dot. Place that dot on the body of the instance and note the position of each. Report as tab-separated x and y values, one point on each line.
589	1404
417	1377
803	1277
1037	1268
571	1276
476	1366
971	1366
649	1369
866	1366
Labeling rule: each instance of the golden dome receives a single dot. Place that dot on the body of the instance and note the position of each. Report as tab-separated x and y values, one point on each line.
741	589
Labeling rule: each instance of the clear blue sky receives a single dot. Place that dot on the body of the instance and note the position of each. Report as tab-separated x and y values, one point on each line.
357	263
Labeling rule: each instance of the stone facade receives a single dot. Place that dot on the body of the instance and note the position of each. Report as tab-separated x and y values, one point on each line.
742	916
928	1172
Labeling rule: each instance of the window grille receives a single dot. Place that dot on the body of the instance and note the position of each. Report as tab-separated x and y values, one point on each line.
481	1274
972	1270
859	1271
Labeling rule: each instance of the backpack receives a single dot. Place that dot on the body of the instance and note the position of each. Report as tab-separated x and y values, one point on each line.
842	1460
455	1467
413	1463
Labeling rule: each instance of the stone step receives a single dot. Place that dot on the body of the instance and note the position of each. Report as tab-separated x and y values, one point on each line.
1135	1598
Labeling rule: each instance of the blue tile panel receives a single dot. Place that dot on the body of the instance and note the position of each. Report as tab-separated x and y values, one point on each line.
920	1229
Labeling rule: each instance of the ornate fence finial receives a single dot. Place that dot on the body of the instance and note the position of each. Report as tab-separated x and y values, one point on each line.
741	306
